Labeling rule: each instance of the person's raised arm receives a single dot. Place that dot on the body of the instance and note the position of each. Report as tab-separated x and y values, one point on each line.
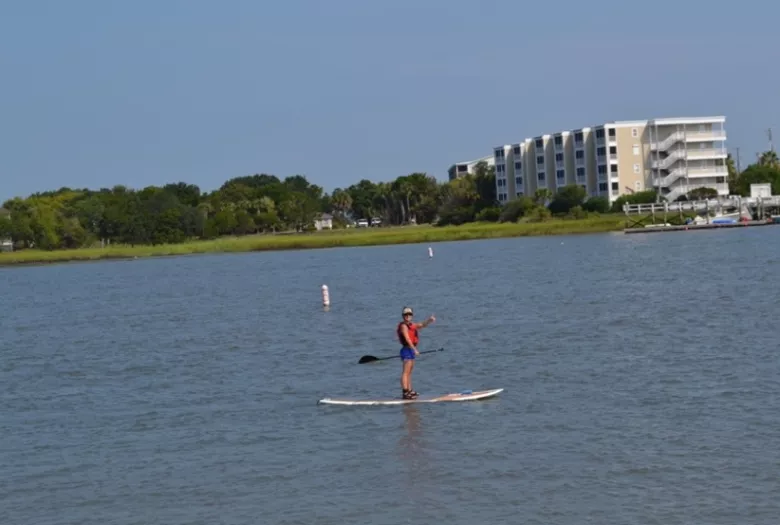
426	322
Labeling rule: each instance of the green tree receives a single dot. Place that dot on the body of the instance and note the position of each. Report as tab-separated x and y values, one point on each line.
733	176
341	202
567	198
517	208
542	196
769	158
757	174
639	197
700	194
596	204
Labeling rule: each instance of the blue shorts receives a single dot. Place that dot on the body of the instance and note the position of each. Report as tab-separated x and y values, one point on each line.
407	353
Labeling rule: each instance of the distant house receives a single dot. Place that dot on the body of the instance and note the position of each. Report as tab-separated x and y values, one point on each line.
6	245
325	222
461	169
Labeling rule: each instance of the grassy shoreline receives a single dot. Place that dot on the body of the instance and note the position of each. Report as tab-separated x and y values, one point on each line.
325	239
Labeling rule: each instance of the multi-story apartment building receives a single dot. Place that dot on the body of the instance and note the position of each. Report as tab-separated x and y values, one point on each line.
459	169
671	155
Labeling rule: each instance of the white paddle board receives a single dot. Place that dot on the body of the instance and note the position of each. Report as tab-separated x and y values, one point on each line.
466	395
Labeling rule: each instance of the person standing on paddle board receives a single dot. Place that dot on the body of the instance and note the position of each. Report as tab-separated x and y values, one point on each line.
408	336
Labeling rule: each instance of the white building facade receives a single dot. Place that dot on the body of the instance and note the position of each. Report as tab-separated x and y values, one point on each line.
460	169
671	155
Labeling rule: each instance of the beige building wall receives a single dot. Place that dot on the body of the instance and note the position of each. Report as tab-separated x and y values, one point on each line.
631	163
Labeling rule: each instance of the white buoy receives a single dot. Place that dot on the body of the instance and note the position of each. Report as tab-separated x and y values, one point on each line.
325	295
430	251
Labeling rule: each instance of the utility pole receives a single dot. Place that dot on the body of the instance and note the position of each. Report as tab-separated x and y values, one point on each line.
738	169
769	135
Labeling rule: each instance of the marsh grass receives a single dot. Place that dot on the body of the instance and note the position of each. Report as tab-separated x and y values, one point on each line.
326	239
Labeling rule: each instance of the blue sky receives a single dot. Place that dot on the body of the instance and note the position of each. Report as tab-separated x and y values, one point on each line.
98	93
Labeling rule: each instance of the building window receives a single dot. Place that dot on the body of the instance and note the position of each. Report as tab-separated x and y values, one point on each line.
634	132
540	159
540	175
517	150
579	154
560	174
539	143
559	157
518	165
601	151
602	186
638	186
613	168
519	193
614	186
602	170
636	149
462	168
558	141
519	181
500	168
499	153
636	168
580	172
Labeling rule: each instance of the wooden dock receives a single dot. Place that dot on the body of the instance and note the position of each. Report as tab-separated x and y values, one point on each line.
707	214
686	227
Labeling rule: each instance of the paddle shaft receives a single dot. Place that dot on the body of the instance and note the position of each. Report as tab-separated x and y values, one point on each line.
371	359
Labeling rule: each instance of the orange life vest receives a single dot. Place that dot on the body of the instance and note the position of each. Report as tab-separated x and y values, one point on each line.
413	337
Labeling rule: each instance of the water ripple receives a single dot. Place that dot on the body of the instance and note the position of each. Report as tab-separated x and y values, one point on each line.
640	373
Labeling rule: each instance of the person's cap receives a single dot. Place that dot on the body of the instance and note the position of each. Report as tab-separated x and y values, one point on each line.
407	310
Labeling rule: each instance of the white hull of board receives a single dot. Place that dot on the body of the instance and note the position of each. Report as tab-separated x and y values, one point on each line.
446	398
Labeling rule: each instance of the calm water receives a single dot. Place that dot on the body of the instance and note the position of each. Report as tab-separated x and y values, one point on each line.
641	377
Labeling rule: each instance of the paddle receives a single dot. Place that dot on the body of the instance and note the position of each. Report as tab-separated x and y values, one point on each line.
371	359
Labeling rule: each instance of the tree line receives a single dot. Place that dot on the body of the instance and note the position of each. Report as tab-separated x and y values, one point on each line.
263	203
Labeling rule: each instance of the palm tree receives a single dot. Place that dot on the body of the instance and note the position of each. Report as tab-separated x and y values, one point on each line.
769	158
542	195
341	201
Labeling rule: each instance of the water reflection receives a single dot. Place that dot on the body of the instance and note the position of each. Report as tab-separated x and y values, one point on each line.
411	444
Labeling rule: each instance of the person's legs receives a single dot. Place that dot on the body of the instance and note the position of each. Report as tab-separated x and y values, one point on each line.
407	360
409	379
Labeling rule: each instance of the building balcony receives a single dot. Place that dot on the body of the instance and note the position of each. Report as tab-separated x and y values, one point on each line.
691	136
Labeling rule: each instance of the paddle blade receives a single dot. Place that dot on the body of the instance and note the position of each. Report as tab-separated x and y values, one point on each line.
367	359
